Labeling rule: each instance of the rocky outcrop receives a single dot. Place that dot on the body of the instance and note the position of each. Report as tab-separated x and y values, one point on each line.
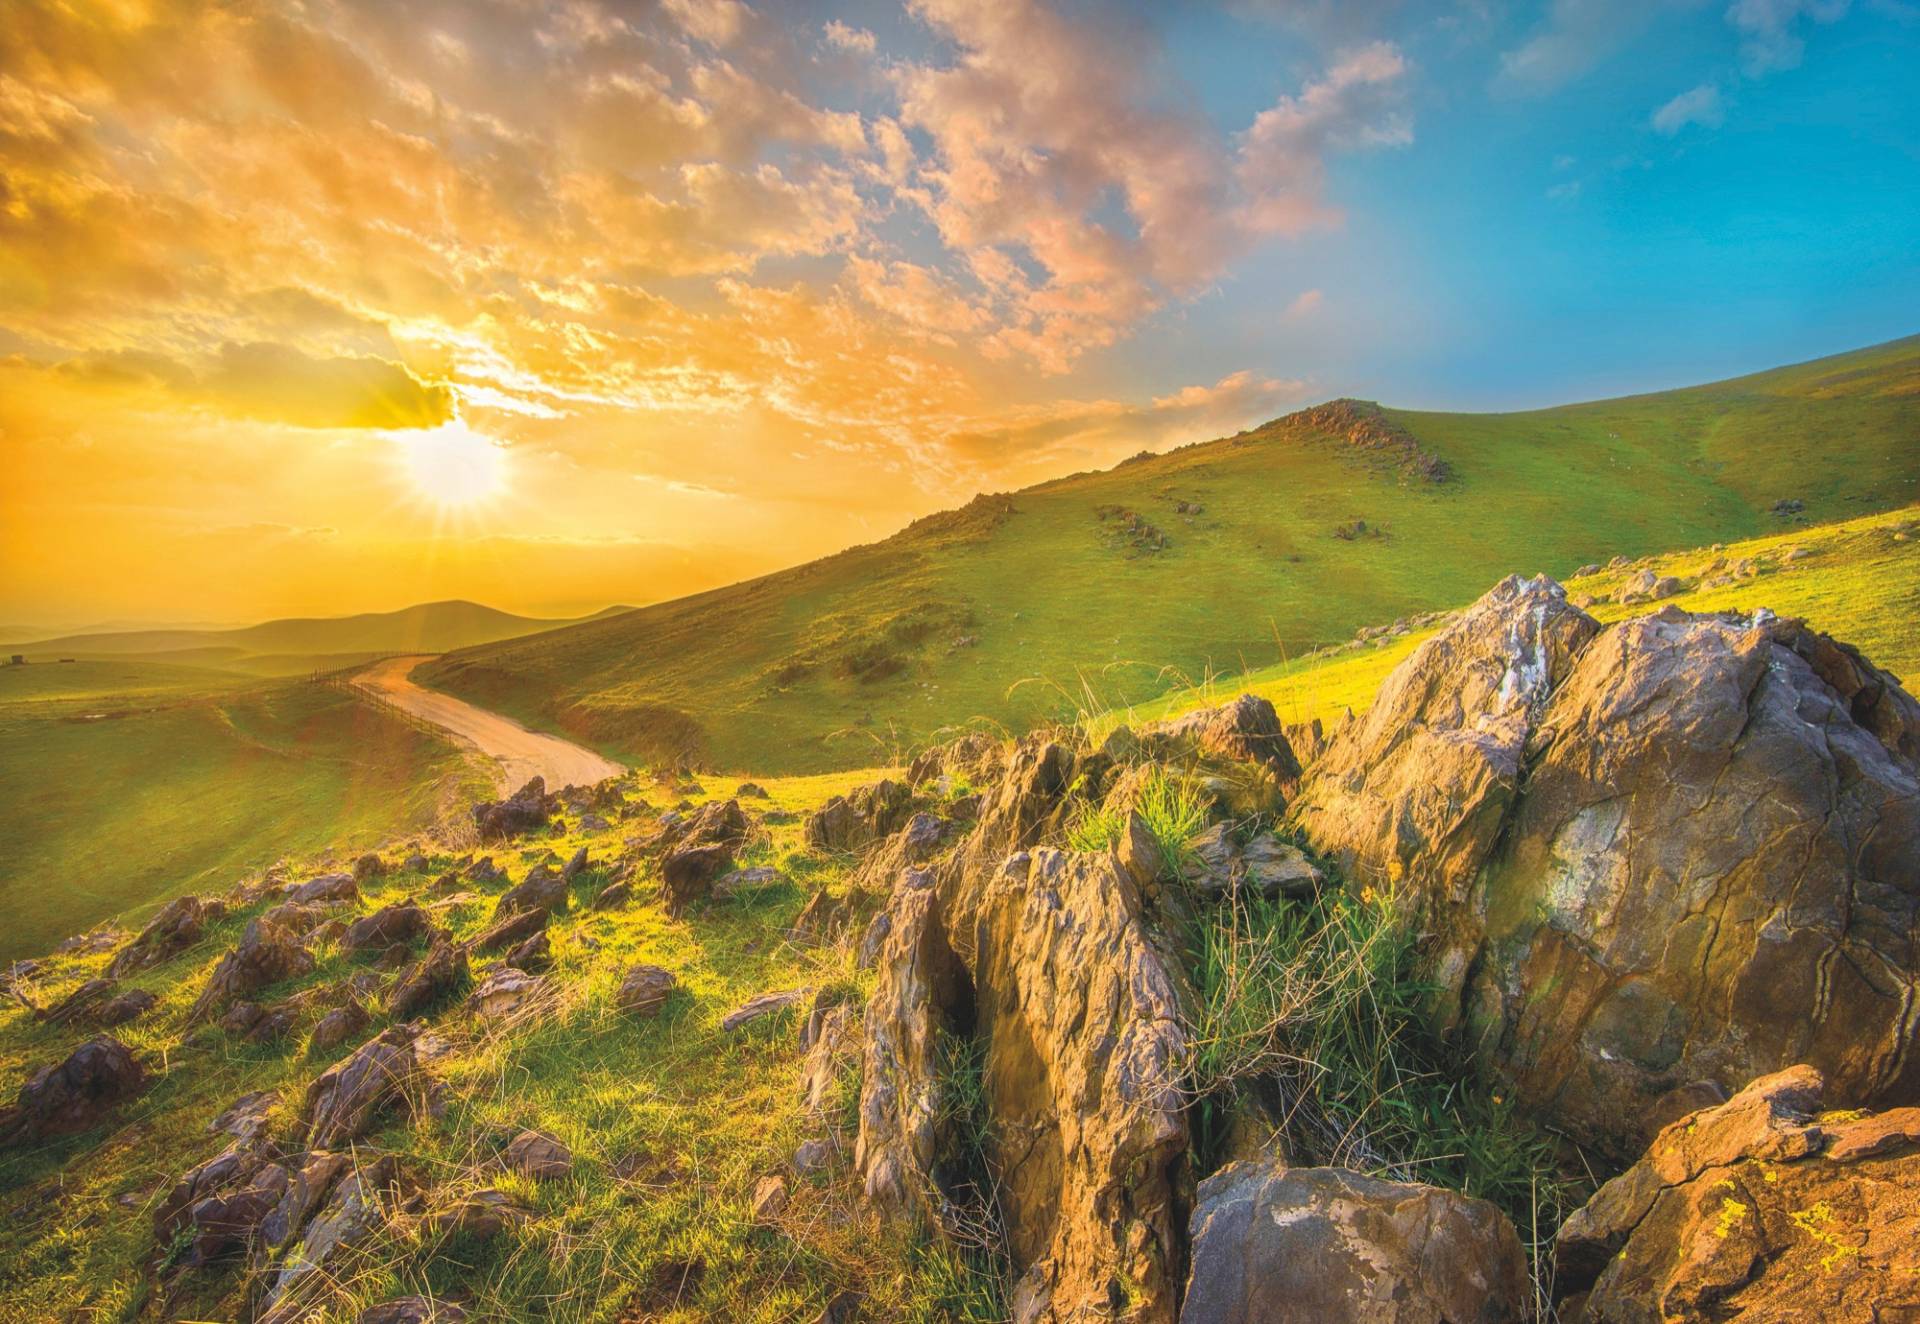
1417	790
543	889
344	1100
368	1195
526	810
75	1094
180	924
1762	1208
688	872
1336	1247
1714	863
1082	1009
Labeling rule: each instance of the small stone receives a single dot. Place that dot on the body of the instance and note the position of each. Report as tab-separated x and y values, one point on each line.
539	1156
767	1004
769	1198
645	990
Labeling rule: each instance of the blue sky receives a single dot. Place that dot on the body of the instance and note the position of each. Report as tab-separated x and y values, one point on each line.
1545	242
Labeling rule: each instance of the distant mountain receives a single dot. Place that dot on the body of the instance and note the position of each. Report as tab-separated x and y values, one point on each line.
304	643
1224	556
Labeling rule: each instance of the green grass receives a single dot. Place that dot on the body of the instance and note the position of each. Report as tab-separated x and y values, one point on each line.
1858	580
1020	608
692	1115
111	802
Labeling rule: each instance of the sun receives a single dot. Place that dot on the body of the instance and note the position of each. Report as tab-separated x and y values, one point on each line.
452	466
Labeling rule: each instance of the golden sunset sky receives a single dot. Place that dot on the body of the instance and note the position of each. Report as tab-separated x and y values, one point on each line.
320	306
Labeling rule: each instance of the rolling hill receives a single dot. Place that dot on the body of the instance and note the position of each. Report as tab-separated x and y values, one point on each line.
1112	587
286	647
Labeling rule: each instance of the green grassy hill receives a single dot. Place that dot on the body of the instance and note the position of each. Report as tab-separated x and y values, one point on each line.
125	783
1111	588
295	646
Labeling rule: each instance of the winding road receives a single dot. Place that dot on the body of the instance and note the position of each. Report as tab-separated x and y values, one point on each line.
518	752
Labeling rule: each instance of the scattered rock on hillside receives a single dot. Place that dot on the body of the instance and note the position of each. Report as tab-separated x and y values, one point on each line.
403	922
513	930
827	917
338	1026
80	1005
266	955
342	1103
688	873
613	896
848	822
366	1198
1246	729
1336	1247
327	889
751	791
534	955
1265	866
124	1007
760	1007
74	1094
644	990
433	978
744	883
716	823
1763	1207
413	1310
769	1198
505	993
543	889
370	867
539	1156
526	810
180	924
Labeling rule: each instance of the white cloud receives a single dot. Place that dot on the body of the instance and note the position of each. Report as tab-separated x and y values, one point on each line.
845	37
1700	105
1769	30
1576	36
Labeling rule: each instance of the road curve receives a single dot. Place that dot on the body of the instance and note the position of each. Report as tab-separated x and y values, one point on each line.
518	752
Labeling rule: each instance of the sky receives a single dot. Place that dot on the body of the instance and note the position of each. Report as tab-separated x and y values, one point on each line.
312	307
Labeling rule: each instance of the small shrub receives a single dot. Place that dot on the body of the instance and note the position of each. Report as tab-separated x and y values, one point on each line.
1172	808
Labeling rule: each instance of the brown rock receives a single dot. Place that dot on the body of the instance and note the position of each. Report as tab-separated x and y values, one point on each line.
124	1007
687	874
848	822
543	890
769	1198
526	810
513	930
613	896
344	1100
534	955
180	924
327	889
413	1310
1336	1247
367	1197
479	1215
539	1156
75	1094
1246	730
83	1004
760	1007
266	956
434	977
337	1027
645	990
506	993
403	923
1759	1209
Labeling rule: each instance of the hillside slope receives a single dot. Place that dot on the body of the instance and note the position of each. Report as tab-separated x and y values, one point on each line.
1113	587
431	627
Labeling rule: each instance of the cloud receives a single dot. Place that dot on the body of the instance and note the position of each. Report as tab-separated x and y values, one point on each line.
1081	199
1697	105
1770	30
1575	37
1305	304
856	41
277	383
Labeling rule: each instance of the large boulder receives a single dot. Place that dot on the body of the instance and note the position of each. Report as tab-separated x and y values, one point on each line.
1417	790
1761	1208
181	923
1709	871
1329	1246
72	1095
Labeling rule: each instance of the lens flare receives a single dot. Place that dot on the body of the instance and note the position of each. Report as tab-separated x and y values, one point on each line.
452	466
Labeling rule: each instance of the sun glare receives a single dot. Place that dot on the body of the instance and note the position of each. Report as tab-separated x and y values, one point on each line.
453	466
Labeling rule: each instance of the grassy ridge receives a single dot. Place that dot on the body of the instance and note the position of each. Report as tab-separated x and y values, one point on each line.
1858	580
1116	587
114	799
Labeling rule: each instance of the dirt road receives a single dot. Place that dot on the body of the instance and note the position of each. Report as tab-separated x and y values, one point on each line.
518	752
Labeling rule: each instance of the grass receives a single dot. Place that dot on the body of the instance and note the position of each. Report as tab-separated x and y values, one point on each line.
860	657
112	802
672	1122
1858	580
1323	998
